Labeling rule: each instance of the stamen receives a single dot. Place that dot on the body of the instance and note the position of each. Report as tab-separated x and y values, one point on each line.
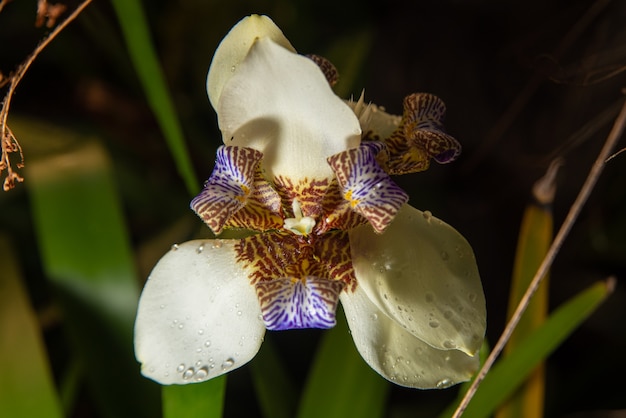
299	225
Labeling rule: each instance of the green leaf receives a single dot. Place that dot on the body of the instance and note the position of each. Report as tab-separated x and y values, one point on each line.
143	55
340	383
85	252
274	389
199	400
510	372
534	240
26	387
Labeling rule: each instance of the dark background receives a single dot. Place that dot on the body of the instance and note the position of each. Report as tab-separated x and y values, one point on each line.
559	60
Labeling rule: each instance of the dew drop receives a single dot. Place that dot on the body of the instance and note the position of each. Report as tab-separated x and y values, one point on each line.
174	247
427	215
444	383
232	69
188	373
180	368
207	343
447	314
200	248
238	313
434	324
449	344
374	317
202	373
162	306
181	326
228	363
217	244
200	331
198	363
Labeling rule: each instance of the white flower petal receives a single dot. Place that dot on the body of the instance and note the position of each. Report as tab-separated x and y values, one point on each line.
422	273
198	315
234	48
280	103
374	119
396	354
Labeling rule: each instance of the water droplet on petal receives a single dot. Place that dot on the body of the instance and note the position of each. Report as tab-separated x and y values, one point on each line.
374	317
180	368
447	314
217	244
181	326
202	373
200	248
449	344
444	383
207	343
228	363
200	331
433	324
174	247
188	373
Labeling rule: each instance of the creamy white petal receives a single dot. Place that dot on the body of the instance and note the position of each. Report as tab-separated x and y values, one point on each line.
396	354
422	273
198	315
234	48
374	119
280	103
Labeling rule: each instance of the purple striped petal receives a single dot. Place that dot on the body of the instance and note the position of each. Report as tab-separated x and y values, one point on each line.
423	125
367	187
229	186
291	303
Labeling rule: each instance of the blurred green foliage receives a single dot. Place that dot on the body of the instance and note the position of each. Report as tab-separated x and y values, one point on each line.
85	240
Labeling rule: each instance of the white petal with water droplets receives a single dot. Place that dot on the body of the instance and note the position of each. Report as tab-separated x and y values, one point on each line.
280	103
398	355
198	315
422	273
234	48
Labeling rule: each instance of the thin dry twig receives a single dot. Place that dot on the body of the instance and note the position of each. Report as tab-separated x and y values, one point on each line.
3	3
7	140
583	195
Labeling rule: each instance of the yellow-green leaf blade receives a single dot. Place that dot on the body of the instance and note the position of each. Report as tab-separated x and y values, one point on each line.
26	386
340	383
204	400
510	372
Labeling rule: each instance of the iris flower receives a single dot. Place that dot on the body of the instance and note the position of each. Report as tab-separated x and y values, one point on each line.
309	173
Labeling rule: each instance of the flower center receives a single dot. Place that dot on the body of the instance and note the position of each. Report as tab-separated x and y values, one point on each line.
299	225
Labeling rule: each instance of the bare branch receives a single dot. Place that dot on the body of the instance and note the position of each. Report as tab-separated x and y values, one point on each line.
583	195
7	139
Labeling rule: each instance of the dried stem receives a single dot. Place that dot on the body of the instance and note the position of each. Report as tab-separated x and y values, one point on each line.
3	3
7	140
583	195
